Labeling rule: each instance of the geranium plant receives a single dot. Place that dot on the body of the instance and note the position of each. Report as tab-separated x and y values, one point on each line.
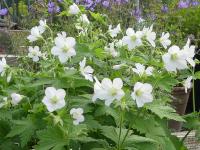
102	89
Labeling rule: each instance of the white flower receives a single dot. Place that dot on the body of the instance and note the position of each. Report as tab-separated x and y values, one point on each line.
34	53
133	39
108	90
142	94
77	114
175	59
188	83
113	32
43	25
84	19
140	70
73	9
5	102
149	35
54	99
86	71
164	40
16	98
3	66
189	52
117	67
111	50
36	33
64	47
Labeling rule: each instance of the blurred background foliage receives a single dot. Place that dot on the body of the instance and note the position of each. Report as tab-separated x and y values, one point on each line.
181	18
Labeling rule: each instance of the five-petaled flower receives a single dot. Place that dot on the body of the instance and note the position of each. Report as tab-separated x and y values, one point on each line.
77	115
54	99
113	32
84	19
140	70
16	98
175	59
34	53
36	34
189	52
86	71
142	93
149	35
108	90
133	39
64	47
164	40
73	9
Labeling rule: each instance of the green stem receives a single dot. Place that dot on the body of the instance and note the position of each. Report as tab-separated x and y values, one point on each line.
127	132
120	129
193	92
186	136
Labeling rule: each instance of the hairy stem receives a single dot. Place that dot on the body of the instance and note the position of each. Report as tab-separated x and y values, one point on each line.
120	129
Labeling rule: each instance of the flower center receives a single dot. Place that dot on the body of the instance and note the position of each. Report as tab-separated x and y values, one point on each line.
54	100
138	93
65	49
76	115
133	38
174	56
113	91
34	53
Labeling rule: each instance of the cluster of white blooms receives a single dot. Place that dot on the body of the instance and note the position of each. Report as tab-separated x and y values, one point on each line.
64	47
37	31
54	99
133	38
177	59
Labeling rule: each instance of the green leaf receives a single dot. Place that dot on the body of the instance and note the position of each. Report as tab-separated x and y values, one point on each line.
24	129
51	138
165	112
110	132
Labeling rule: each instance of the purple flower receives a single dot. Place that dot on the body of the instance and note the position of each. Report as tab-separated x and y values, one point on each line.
52	8
183	4
195	3
97	1
60	1
164	8
106	4
3	12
